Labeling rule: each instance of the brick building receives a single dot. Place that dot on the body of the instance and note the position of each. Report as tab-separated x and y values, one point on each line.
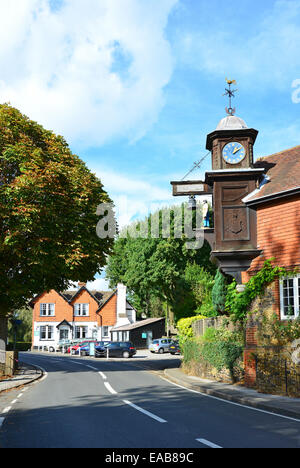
277	205
79	315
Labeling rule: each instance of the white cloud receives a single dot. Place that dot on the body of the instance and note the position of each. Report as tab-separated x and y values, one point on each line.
135	198
99	284
90	70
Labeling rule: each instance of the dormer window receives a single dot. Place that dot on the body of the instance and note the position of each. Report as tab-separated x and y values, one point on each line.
81	310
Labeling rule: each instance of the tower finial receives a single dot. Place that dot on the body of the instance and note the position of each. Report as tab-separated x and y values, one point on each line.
231	94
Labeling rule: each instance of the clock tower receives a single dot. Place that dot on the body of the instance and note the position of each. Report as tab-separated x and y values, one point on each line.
232	178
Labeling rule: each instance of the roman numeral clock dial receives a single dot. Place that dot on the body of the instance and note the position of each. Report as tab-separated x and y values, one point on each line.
234	153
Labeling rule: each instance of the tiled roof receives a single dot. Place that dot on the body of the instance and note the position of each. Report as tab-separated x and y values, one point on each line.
282	171
100	296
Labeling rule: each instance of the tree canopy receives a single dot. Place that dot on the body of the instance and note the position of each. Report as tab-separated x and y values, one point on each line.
48	203
154	270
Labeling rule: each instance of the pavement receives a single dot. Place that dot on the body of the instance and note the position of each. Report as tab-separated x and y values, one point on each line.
237	394
24	376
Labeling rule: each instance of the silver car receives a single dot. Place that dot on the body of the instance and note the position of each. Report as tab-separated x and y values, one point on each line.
160	346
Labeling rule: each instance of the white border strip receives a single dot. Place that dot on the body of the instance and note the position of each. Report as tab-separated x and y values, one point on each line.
209	444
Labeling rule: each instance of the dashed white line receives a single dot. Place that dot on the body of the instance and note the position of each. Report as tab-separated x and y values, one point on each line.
110	389
151	415
6	410
208	443
103	375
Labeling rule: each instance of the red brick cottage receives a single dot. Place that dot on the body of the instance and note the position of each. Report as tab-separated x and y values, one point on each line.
80	314
277	204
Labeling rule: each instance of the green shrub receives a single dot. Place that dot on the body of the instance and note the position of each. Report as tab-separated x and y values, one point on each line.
184	327
20	346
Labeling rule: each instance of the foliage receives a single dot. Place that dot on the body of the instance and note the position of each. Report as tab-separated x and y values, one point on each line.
219	354
219	292
237	304
185	328
48	203
24	330
154	268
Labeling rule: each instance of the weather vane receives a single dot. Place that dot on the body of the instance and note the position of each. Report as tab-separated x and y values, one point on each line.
231	94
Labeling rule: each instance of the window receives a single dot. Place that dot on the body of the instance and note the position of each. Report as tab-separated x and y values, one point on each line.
81	332
105	332
46	333
81	310
47	310
290	297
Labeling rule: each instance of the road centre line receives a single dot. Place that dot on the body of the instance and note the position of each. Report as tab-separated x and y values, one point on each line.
110	389
209	444
102	375
231	402
151	415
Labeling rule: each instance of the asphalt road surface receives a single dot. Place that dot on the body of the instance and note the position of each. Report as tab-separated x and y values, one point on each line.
95	403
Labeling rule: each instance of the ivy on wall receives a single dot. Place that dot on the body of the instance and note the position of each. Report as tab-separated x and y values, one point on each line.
238	303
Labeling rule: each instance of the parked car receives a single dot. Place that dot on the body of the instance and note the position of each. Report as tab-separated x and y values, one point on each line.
123	349
175	348
84	349
73	348
160	346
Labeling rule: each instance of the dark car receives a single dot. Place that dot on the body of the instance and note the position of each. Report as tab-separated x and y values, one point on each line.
123	349
174	348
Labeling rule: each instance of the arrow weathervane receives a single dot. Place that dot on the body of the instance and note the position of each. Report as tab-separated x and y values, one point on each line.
231	94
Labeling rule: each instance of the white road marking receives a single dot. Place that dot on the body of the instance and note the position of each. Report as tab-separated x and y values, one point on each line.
1	421
103	375
13	402
209	444
110	389
91	367
151	415
6	410
232	403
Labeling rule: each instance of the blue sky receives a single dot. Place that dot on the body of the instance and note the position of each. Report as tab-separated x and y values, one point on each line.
136	85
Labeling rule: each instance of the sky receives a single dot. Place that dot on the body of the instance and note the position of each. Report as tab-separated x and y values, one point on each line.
136	85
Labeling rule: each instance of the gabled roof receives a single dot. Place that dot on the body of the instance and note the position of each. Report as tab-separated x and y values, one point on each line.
101	297
282	176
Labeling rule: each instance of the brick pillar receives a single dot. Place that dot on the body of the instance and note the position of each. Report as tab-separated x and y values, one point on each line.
250	349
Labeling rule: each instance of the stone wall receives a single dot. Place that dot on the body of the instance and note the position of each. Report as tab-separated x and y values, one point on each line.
204	370
276	373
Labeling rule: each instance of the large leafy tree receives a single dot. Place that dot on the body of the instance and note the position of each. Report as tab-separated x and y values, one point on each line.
48	204
154	271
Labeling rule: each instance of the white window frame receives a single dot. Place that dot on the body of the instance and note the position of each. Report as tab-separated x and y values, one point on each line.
49	333
105	335
83	330
49	310
81	310
295	286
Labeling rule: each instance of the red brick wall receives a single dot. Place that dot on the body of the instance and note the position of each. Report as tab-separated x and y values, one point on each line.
64	310
109	312
278	233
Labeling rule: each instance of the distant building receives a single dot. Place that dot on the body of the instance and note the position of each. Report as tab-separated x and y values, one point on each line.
140	333
79	315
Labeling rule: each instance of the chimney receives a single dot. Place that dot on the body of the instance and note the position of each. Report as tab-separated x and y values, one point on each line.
122	318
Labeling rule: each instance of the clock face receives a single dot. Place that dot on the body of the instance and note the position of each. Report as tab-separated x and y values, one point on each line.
234	153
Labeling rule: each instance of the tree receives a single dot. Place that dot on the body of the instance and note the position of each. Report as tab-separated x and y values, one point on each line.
219	293
153	268
48	203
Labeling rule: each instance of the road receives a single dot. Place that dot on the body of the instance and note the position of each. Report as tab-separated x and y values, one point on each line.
95	403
